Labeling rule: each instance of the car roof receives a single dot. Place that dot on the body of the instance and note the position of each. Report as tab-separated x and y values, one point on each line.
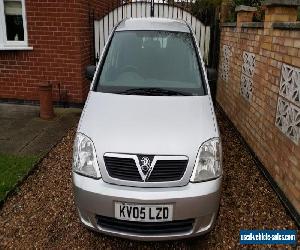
152	23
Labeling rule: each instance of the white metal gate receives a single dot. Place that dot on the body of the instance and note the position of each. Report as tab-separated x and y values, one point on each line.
153	8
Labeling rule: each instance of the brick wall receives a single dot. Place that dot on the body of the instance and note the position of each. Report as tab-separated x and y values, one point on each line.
91	10
61	34
255	114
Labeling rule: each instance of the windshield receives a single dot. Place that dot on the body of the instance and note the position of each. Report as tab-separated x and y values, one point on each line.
155	60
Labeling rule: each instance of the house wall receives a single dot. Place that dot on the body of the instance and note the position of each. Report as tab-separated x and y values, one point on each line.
61	34
259	118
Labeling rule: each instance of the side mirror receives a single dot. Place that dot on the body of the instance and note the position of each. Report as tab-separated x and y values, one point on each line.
211	75
90	71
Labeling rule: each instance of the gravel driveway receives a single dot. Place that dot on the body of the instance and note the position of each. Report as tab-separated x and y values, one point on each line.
42	213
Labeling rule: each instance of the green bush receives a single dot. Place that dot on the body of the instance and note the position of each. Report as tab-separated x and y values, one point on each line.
258	15
253	3
204	9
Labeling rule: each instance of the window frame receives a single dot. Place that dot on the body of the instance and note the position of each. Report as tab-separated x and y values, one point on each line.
13	45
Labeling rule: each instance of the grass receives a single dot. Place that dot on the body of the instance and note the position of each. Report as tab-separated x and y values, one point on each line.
12	170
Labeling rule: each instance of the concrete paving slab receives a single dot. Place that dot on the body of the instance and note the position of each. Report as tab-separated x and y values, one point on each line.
22	132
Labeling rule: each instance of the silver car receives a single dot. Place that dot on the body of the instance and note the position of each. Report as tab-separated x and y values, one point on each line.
147	154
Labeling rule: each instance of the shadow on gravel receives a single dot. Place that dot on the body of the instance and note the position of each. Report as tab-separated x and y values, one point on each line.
200	242
42	214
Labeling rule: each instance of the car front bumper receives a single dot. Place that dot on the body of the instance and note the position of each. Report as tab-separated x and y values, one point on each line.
196	201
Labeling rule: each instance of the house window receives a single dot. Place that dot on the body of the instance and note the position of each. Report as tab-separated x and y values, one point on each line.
13	26
14	20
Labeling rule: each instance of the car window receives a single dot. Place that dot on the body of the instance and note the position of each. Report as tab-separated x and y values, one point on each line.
151	59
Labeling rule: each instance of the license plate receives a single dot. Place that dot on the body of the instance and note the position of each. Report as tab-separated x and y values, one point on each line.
145	213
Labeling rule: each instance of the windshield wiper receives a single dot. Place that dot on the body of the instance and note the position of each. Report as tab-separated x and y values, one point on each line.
153	92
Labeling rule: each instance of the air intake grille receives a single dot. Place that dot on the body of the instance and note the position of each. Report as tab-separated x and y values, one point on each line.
163	170
168	170
146	228
122	168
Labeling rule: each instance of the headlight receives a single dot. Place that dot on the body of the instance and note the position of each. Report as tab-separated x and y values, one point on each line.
84	157
209	161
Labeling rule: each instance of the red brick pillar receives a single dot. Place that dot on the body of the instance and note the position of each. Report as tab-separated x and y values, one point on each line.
280	11
244	14
46	105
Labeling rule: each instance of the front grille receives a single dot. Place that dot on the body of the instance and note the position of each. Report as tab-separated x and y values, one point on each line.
145	228
168	170
126	169
122	168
